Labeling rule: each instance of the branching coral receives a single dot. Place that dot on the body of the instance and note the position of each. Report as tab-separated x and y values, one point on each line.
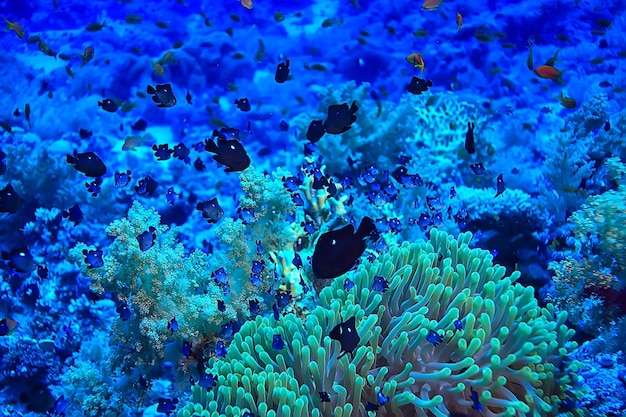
158	284
508	351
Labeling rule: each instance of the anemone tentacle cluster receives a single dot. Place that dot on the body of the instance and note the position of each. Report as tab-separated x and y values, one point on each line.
495	341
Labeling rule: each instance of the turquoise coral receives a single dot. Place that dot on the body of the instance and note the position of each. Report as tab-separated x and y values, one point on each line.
509	350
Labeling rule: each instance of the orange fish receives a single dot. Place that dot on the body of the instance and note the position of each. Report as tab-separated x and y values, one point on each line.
15	27
431	5
546	71
416	60
87	55
567	102
247	4
459	20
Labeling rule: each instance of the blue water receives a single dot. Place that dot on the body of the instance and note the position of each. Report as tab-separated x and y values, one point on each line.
131	257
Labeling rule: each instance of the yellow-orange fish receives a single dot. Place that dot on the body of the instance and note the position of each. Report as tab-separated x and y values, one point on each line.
247	4
567	102
459	21
416	60
431	5
15	27
87	55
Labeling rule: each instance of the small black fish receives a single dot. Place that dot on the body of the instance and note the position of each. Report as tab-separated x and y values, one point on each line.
407	180
84	133
88	163
500	185
167	405
139	125
470	146
146	186
284	126
124	311
211	210
607	126
315	131
282	72
243	104
182	152
3	165
162	152
74	214
478	169
162	94
419	85
346	334
340	118
10	201
19	260
108	105
228	152
188	98
324	397
337	251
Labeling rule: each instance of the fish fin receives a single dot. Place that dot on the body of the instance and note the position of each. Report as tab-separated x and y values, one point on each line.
150	90
70	159
366	227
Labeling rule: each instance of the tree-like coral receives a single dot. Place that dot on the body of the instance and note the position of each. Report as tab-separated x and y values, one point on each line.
450	324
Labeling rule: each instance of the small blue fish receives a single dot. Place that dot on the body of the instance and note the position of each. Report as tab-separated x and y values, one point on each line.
297	261
199	165
348	284
246	214
309	227
297	199
369	174
371	406
220	275
382	399
258	266
186	349
434	337
93	187
275	312
395	225
74	214
476	402
173	325
93	258
255	279
122	178
437	220
324	397
452	192
60	407
211	210
283	298
405	179
220	349
221	306
171	196
291	184
259	248
380	284
434	203
124	311
277	342
166	405
207	381
146	239
254	307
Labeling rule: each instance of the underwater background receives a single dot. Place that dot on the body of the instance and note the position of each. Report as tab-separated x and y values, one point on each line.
312	208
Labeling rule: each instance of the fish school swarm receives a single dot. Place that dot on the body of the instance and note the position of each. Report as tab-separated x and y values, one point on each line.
447	333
